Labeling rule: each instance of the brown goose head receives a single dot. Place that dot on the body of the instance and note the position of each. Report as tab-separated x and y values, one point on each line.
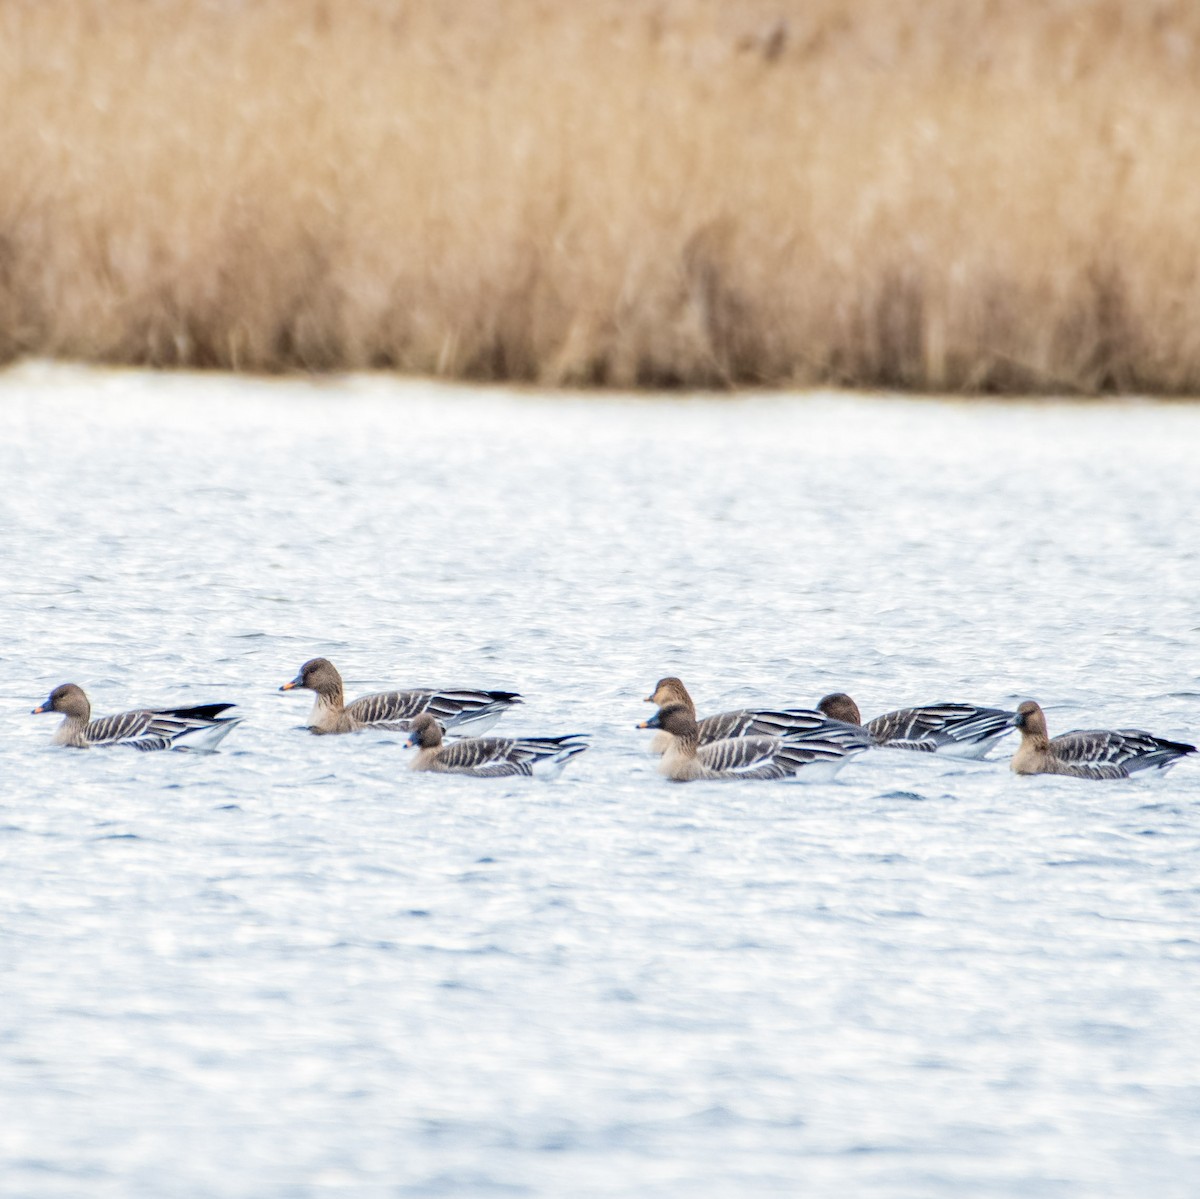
424	732
839	706
69	700
670	691
676	719
319	675
1031	720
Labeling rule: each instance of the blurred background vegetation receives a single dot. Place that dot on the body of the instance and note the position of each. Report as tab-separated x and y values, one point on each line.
957	195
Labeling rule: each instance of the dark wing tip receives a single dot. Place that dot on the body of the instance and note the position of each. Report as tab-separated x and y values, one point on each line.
200	711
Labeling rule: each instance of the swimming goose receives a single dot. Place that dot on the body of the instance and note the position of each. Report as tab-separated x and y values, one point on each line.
464	709
956	730
750	757
792	723
489	757
200	728
1090	753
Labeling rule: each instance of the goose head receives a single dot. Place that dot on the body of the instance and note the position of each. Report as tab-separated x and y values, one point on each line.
424	733
1030	719
839	706
670	690
319	675
675	719
69	700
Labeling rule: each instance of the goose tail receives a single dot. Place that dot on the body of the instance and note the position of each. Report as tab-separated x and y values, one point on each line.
205	738
551	766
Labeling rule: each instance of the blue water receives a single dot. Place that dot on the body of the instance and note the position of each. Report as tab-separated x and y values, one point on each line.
293	969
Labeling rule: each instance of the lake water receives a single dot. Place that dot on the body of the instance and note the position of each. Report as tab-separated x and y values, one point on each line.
294	969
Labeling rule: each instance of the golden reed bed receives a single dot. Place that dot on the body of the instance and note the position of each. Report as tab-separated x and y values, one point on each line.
983	195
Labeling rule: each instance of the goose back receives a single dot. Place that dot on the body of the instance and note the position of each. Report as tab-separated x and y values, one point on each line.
748	757
490	757
951	728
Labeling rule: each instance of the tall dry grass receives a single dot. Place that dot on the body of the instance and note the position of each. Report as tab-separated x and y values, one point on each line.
965	195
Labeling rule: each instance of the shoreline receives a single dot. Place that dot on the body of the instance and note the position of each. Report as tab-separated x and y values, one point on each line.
374	383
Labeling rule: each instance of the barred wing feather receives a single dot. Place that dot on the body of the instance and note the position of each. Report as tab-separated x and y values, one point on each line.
488	757
767	757
394	710
498	757
941	726
124	726
477	711
1115	753
200	727
792	723
389	710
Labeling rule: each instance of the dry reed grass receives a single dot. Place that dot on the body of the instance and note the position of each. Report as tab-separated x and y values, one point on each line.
967	195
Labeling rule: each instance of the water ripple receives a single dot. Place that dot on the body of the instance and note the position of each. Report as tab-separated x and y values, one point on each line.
294	968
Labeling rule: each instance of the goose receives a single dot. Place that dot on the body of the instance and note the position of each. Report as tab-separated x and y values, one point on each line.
489	757
200	728
458	709
1090	753
956	730
791	723
748	757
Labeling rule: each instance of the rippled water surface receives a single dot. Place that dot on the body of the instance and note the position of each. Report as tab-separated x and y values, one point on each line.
295	969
